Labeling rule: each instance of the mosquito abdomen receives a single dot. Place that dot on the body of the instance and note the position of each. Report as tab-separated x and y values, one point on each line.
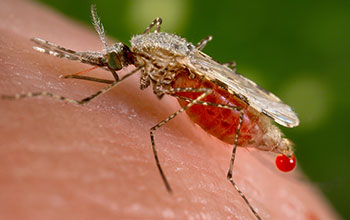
220	122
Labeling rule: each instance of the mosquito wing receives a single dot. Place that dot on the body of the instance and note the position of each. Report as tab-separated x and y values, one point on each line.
257	97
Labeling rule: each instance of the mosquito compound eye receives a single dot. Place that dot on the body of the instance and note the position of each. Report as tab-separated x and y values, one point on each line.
114	61
284	163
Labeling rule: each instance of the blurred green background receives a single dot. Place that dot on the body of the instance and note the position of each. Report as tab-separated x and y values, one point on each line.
298	49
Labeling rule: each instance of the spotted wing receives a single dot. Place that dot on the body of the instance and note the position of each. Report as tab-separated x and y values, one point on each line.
257	97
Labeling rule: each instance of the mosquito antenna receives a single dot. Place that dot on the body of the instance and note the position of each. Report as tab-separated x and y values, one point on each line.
98	25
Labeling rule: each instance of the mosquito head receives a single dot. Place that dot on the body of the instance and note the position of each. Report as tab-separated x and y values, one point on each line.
118	56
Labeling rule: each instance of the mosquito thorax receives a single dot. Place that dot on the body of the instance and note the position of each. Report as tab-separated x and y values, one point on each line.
163	42
118	56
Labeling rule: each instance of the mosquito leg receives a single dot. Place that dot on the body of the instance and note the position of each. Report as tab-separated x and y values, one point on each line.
231	64
88	78
62	98
229	174
157	22
204	92
209	103
201	44
114	73
59	97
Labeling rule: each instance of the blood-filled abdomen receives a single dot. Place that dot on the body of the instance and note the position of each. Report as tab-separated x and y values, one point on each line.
219	122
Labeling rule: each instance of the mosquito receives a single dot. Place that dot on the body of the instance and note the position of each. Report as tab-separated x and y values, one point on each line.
225	104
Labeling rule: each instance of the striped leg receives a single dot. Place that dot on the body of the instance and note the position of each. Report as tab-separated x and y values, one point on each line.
208	103
235	145
231	64
62	98
88	78
156	22
201	44
230	171
205	92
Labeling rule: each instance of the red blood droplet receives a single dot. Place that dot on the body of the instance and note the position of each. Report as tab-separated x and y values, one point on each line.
284	163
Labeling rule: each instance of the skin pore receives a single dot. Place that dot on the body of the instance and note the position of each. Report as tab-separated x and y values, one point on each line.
63	161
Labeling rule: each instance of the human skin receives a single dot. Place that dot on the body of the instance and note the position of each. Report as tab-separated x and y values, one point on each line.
63	161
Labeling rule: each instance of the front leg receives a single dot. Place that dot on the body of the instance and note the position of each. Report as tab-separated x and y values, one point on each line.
156	22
